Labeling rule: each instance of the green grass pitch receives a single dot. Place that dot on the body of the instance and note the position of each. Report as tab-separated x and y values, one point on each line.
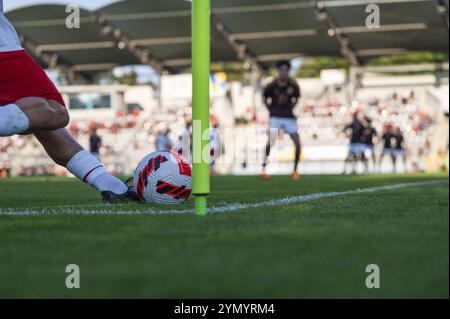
312	249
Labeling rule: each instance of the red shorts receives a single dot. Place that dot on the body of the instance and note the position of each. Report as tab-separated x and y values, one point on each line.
21	76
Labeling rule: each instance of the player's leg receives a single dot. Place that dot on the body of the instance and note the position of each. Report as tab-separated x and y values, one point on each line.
364	158
353	159
32	104
394	162
25	94
405	161
212	166
30	114
374	160
380	160
347	160
270	143
298	149
65	151
358	158
43	114
355	163
369	158
272	137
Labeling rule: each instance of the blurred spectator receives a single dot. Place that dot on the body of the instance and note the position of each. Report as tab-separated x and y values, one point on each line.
95	143
163	142
128	137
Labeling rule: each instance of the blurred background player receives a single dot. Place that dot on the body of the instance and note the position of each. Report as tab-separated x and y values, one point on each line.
369	134
389	142
95	143
400	150
31	104
356	146
280	97
186	138
183	147
216	146
163	142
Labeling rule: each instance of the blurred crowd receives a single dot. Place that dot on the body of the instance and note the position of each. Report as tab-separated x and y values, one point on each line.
125	135
322	119
373	126
322	122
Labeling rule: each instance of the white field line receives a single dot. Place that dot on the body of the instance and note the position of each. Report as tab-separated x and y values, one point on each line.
76	210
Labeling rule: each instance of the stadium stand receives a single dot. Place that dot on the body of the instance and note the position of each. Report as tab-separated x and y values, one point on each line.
157	34
321	122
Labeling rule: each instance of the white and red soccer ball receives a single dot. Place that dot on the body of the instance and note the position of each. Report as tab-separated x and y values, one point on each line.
164	178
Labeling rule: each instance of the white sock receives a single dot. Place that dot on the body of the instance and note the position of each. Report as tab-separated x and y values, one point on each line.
87	168
12	120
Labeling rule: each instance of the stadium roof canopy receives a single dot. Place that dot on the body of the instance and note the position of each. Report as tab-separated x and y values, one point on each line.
258	32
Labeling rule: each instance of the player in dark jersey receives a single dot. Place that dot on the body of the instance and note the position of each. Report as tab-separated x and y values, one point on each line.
399	149
368	136
356	147
280	97
389	142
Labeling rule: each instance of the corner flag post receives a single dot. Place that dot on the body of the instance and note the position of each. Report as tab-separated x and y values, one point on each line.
201	62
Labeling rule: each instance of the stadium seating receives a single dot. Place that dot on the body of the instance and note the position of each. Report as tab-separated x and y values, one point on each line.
321	122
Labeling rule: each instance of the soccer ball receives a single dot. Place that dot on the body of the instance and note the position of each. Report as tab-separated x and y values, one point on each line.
164	178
